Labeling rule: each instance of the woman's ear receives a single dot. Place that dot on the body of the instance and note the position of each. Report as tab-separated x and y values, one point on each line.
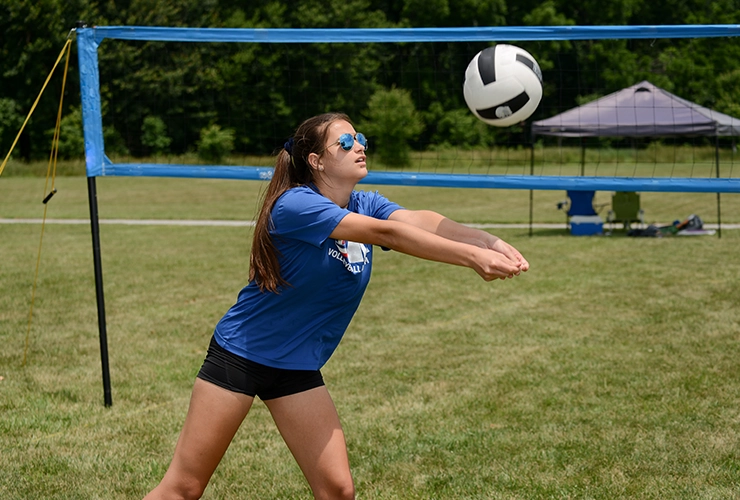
314	161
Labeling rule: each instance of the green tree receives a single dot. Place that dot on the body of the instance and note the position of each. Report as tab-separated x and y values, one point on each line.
154	135
34	33
392	120
11	121
215	143
728	100
458	128
71	137
172	80
261	91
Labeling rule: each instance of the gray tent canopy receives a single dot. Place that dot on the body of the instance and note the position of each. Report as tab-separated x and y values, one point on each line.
641	110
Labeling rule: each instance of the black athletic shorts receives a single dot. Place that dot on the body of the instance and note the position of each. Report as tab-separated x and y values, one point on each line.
238	374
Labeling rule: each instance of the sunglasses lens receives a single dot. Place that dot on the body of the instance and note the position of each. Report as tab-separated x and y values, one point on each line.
346	141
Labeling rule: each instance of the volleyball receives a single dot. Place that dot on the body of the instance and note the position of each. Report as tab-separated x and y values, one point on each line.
503	85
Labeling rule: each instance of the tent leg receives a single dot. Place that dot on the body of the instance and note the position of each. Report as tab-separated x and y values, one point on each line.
531	210
719	217
716	163
95	229
531	191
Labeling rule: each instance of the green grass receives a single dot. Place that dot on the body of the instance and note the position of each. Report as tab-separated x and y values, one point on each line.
609	371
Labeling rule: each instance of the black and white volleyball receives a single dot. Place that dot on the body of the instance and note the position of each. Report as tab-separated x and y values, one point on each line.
503	85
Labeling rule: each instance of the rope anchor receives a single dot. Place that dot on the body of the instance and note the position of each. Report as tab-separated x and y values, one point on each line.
48	196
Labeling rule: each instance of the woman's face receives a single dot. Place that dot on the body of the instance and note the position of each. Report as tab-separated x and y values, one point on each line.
339	164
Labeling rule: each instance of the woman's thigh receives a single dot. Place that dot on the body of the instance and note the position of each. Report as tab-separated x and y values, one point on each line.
309	424
213	418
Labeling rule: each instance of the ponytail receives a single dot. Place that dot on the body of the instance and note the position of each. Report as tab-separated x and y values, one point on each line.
263	261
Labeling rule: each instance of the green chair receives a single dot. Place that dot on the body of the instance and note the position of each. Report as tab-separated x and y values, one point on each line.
625	209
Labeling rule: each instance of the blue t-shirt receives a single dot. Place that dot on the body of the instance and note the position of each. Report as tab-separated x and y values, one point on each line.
300	327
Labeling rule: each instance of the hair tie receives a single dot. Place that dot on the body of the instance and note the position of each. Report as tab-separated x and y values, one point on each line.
289	146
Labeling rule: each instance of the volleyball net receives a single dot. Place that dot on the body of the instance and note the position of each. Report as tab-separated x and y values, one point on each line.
253	86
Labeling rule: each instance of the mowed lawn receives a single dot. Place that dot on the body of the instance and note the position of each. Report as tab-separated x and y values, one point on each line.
609	371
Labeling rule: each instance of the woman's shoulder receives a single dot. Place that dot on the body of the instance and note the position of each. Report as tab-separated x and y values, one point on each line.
298	194
366	195
302	200
302	190
370	196
372	203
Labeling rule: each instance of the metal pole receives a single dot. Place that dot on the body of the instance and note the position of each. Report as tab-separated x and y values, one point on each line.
583	156
719	210
95	229
531	191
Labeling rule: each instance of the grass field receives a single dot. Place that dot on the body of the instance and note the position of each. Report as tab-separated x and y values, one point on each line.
609	371
156	198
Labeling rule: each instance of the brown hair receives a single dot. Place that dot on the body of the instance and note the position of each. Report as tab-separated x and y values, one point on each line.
291	170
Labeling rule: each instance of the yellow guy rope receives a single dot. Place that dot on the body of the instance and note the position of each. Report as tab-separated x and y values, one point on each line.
61	54
50	171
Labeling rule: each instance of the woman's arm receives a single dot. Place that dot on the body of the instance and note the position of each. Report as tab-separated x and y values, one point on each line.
442	226
410	239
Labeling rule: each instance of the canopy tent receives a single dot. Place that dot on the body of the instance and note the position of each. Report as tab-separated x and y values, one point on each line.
641	110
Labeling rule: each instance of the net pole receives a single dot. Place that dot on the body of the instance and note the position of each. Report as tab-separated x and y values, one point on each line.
100	299
95	160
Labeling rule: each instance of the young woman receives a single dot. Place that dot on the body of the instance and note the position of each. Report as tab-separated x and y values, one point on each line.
310	263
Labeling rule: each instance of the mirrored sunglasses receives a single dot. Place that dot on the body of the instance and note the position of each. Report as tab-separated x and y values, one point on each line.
346	141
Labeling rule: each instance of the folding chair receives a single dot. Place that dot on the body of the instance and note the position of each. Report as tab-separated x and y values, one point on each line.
625	209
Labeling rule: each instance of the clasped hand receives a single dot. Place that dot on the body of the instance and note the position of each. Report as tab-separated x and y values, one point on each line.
499	260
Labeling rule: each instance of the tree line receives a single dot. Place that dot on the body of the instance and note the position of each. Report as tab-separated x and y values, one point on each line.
175	98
